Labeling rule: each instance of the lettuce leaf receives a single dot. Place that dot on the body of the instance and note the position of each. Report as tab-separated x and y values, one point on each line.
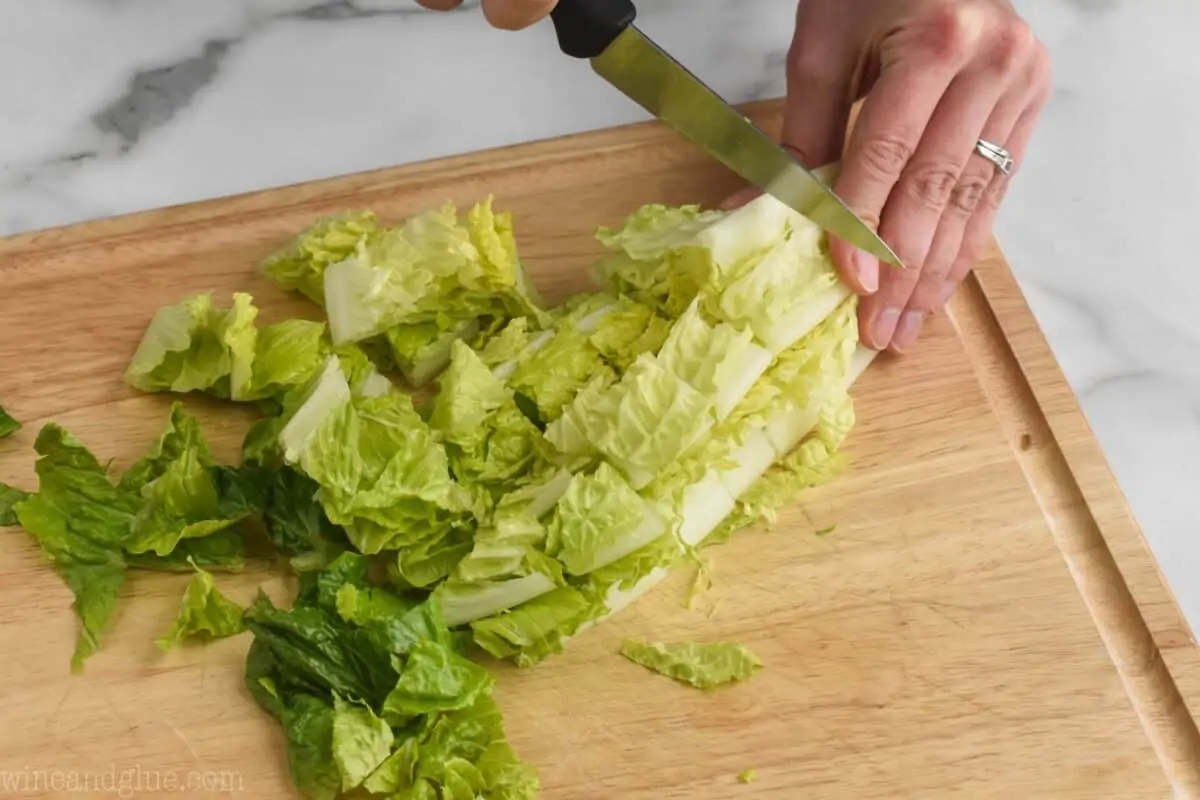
193	346
203	610
223	551
641	264
301	264
489	441
705	666
557	371
361	742
599	520
9	497
373	694
8	425
761	267
719	361
435	679
640	425
179	489
286	355
383	475
436	267
81	521
314	647
536	629
308	723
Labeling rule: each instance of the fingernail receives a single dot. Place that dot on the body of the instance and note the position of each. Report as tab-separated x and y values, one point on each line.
884	327
866	267
908	330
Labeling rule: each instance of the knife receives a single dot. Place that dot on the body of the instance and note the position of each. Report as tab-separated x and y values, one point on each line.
603	32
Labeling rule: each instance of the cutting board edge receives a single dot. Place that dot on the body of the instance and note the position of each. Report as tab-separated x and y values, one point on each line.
1136	614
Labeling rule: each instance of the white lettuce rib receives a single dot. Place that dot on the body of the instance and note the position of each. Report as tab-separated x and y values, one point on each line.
618	598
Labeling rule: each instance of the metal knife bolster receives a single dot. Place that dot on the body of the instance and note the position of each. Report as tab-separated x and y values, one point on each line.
603	31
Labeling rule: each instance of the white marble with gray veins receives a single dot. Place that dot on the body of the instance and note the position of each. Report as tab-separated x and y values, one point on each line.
111	106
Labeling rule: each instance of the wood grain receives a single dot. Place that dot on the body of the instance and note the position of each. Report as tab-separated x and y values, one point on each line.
986	621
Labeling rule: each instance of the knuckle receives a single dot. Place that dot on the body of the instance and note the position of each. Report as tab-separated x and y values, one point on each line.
968	192
969	255
930	185
1012	45
951	30
925	297
993	197
1042	70
885	156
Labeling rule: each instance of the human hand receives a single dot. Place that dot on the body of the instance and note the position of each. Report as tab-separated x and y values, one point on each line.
507	14
935	77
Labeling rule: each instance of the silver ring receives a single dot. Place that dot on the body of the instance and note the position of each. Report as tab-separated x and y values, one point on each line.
995	154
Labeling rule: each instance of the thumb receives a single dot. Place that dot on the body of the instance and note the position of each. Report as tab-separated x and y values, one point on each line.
513	15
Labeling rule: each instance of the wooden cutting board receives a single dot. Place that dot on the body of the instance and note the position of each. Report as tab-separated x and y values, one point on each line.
986	620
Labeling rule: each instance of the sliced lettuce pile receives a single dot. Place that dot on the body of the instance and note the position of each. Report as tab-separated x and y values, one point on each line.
437	278
739	406
565	462
374	694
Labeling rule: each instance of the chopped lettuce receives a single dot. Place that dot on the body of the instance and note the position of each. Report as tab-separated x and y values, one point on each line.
286	355
640	425
705	666
813	462
181	497
489	441
721	362
9	497
8	425
762	266
382	474
203	610
81	520
592	343
219	552
193	346
301	264
552	375
535	629
747	776
422	349
372	694
599	520
361	742
437	267
295	521
435	678
640	265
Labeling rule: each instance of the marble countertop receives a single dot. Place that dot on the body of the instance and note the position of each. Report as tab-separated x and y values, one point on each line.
111	106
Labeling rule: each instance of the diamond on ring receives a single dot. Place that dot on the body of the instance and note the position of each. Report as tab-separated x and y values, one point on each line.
995	154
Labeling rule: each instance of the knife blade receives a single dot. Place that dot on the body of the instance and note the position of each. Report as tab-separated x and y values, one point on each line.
603	32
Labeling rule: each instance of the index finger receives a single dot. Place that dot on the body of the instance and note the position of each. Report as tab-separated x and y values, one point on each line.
512	15
893	117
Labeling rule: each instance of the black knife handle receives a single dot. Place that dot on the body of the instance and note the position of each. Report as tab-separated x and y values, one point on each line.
586	27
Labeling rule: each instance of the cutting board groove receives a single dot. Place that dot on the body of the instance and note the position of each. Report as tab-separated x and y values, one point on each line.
986	621
1164	712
